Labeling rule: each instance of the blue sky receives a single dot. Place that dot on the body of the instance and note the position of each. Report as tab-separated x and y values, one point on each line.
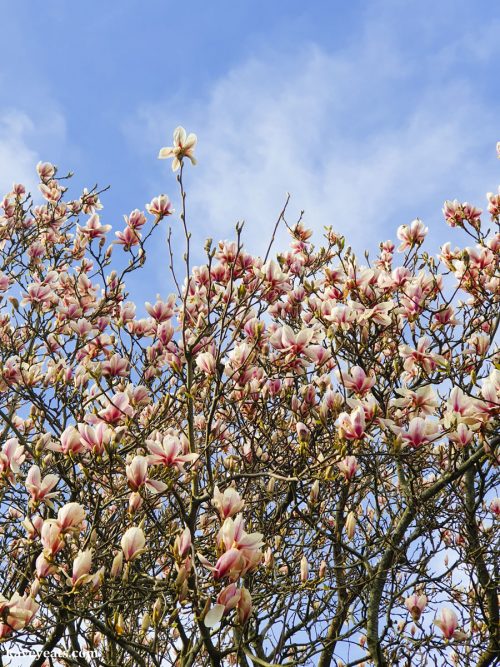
369	113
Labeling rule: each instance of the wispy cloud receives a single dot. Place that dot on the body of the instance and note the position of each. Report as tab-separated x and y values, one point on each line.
345	132
18	158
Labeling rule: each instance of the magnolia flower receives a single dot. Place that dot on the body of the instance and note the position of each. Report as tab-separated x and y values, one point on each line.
206	362
416	605
116	565
357	380
93	228
11	456
168	452
132	543
81	568
182	545
352	426
38	488
160	206
18	612
70	517
229	597
51	537
244	606
137	476
44	567
183	147
447	622
414	234
350	525
228	503
348	466
95	439
419	432
495	507
304	569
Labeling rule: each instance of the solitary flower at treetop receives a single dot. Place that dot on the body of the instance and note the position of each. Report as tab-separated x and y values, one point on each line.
183	147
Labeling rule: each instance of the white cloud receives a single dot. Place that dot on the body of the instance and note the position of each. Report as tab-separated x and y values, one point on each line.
19	134
344	132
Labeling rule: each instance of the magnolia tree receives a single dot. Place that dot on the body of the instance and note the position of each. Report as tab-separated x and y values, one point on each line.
289	460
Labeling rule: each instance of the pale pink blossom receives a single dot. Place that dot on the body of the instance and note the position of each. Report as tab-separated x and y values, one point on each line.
447	622
160	206
411	235
357	380
495	507
348	466
183	543
70	517
228	503
416	605
350	525
51	537
352	426
244	606
81	568
304	570
11	456
169	452
229	597
183	147
206	362
419	432
133	543
40	489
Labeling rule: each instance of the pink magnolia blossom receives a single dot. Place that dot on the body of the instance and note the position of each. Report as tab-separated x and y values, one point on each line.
183	147
286	340
411	235
419	432
95	439
118	408
81	568
38	488
228	503
51	537
11	456
169	452
244	606
350	525
416	605
206	362
93	228
352	426
137	476
17	612
115	366
44	567
160	206
133	543
304	569
495	507
70	517
357	380
447	622
348	466
128	238
70	442
183	543
229	597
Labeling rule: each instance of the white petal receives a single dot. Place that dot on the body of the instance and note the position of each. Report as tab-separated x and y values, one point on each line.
214	616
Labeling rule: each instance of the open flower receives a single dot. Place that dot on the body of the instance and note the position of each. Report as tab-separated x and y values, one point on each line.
416	605
183	147
447	622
